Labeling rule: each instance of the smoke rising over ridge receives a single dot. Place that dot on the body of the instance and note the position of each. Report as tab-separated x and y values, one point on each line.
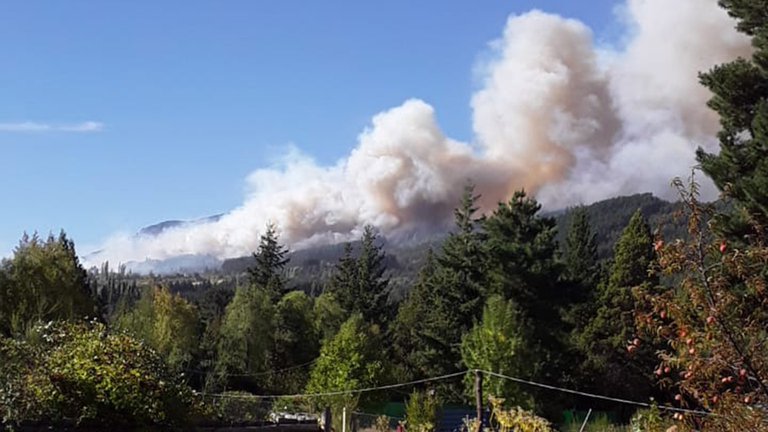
567	120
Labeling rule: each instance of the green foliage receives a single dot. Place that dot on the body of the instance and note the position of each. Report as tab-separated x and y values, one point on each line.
42	281
80	373
246	336
329	316
421	412
296	342
165	321
350	360
516	419
496	345
740	97
419	343
649	420
522	245
580	257
237	407
605	340
359	283
445	301
267	272
524	269
581	276
463	264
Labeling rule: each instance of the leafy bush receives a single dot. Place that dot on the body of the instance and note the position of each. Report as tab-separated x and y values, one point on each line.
238	407
421	412
517	419
80	373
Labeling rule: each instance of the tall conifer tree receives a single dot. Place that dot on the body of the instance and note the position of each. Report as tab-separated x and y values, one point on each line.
740	91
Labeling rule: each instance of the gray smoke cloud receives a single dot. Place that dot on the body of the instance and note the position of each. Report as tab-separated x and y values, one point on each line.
569	121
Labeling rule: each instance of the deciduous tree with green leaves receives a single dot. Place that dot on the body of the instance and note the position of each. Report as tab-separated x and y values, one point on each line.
496	344
245	339
43	281
165	321
351	360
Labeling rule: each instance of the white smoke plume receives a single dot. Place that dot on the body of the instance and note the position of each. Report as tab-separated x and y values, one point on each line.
568	121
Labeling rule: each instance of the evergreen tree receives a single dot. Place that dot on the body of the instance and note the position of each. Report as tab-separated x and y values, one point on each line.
581	270
740	91
446	301
359	284
522	249
425	333
582	274
371	284
606	338
270	258
580	255
463	262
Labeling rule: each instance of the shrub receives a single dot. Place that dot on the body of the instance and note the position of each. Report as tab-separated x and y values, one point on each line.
421	412
80	373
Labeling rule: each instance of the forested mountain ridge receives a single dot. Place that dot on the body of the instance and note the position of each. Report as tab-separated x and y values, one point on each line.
309	269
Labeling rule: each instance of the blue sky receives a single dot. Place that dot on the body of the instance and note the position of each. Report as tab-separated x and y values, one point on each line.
185	98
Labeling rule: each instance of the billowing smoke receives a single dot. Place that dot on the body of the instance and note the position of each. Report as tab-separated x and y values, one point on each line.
567	120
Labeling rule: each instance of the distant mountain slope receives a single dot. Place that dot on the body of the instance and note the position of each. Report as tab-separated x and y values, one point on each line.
609	217
158	228
309	268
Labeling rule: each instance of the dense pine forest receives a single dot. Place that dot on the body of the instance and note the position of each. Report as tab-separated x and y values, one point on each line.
653	314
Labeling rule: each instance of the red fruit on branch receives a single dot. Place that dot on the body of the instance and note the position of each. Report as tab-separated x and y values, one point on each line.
723	247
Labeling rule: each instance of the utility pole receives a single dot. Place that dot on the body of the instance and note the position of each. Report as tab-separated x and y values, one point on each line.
479	399
327	424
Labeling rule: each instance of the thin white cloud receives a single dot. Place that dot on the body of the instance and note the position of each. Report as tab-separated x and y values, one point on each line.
31	127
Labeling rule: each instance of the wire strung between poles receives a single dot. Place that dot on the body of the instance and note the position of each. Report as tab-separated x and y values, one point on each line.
443	377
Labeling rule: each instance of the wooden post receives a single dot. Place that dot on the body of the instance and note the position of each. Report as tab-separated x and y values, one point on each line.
586	419
479	399
327	424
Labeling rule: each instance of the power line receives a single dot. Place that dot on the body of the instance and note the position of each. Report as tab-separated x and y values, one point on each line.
591	395
269	372
365	414
448	376
340	392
